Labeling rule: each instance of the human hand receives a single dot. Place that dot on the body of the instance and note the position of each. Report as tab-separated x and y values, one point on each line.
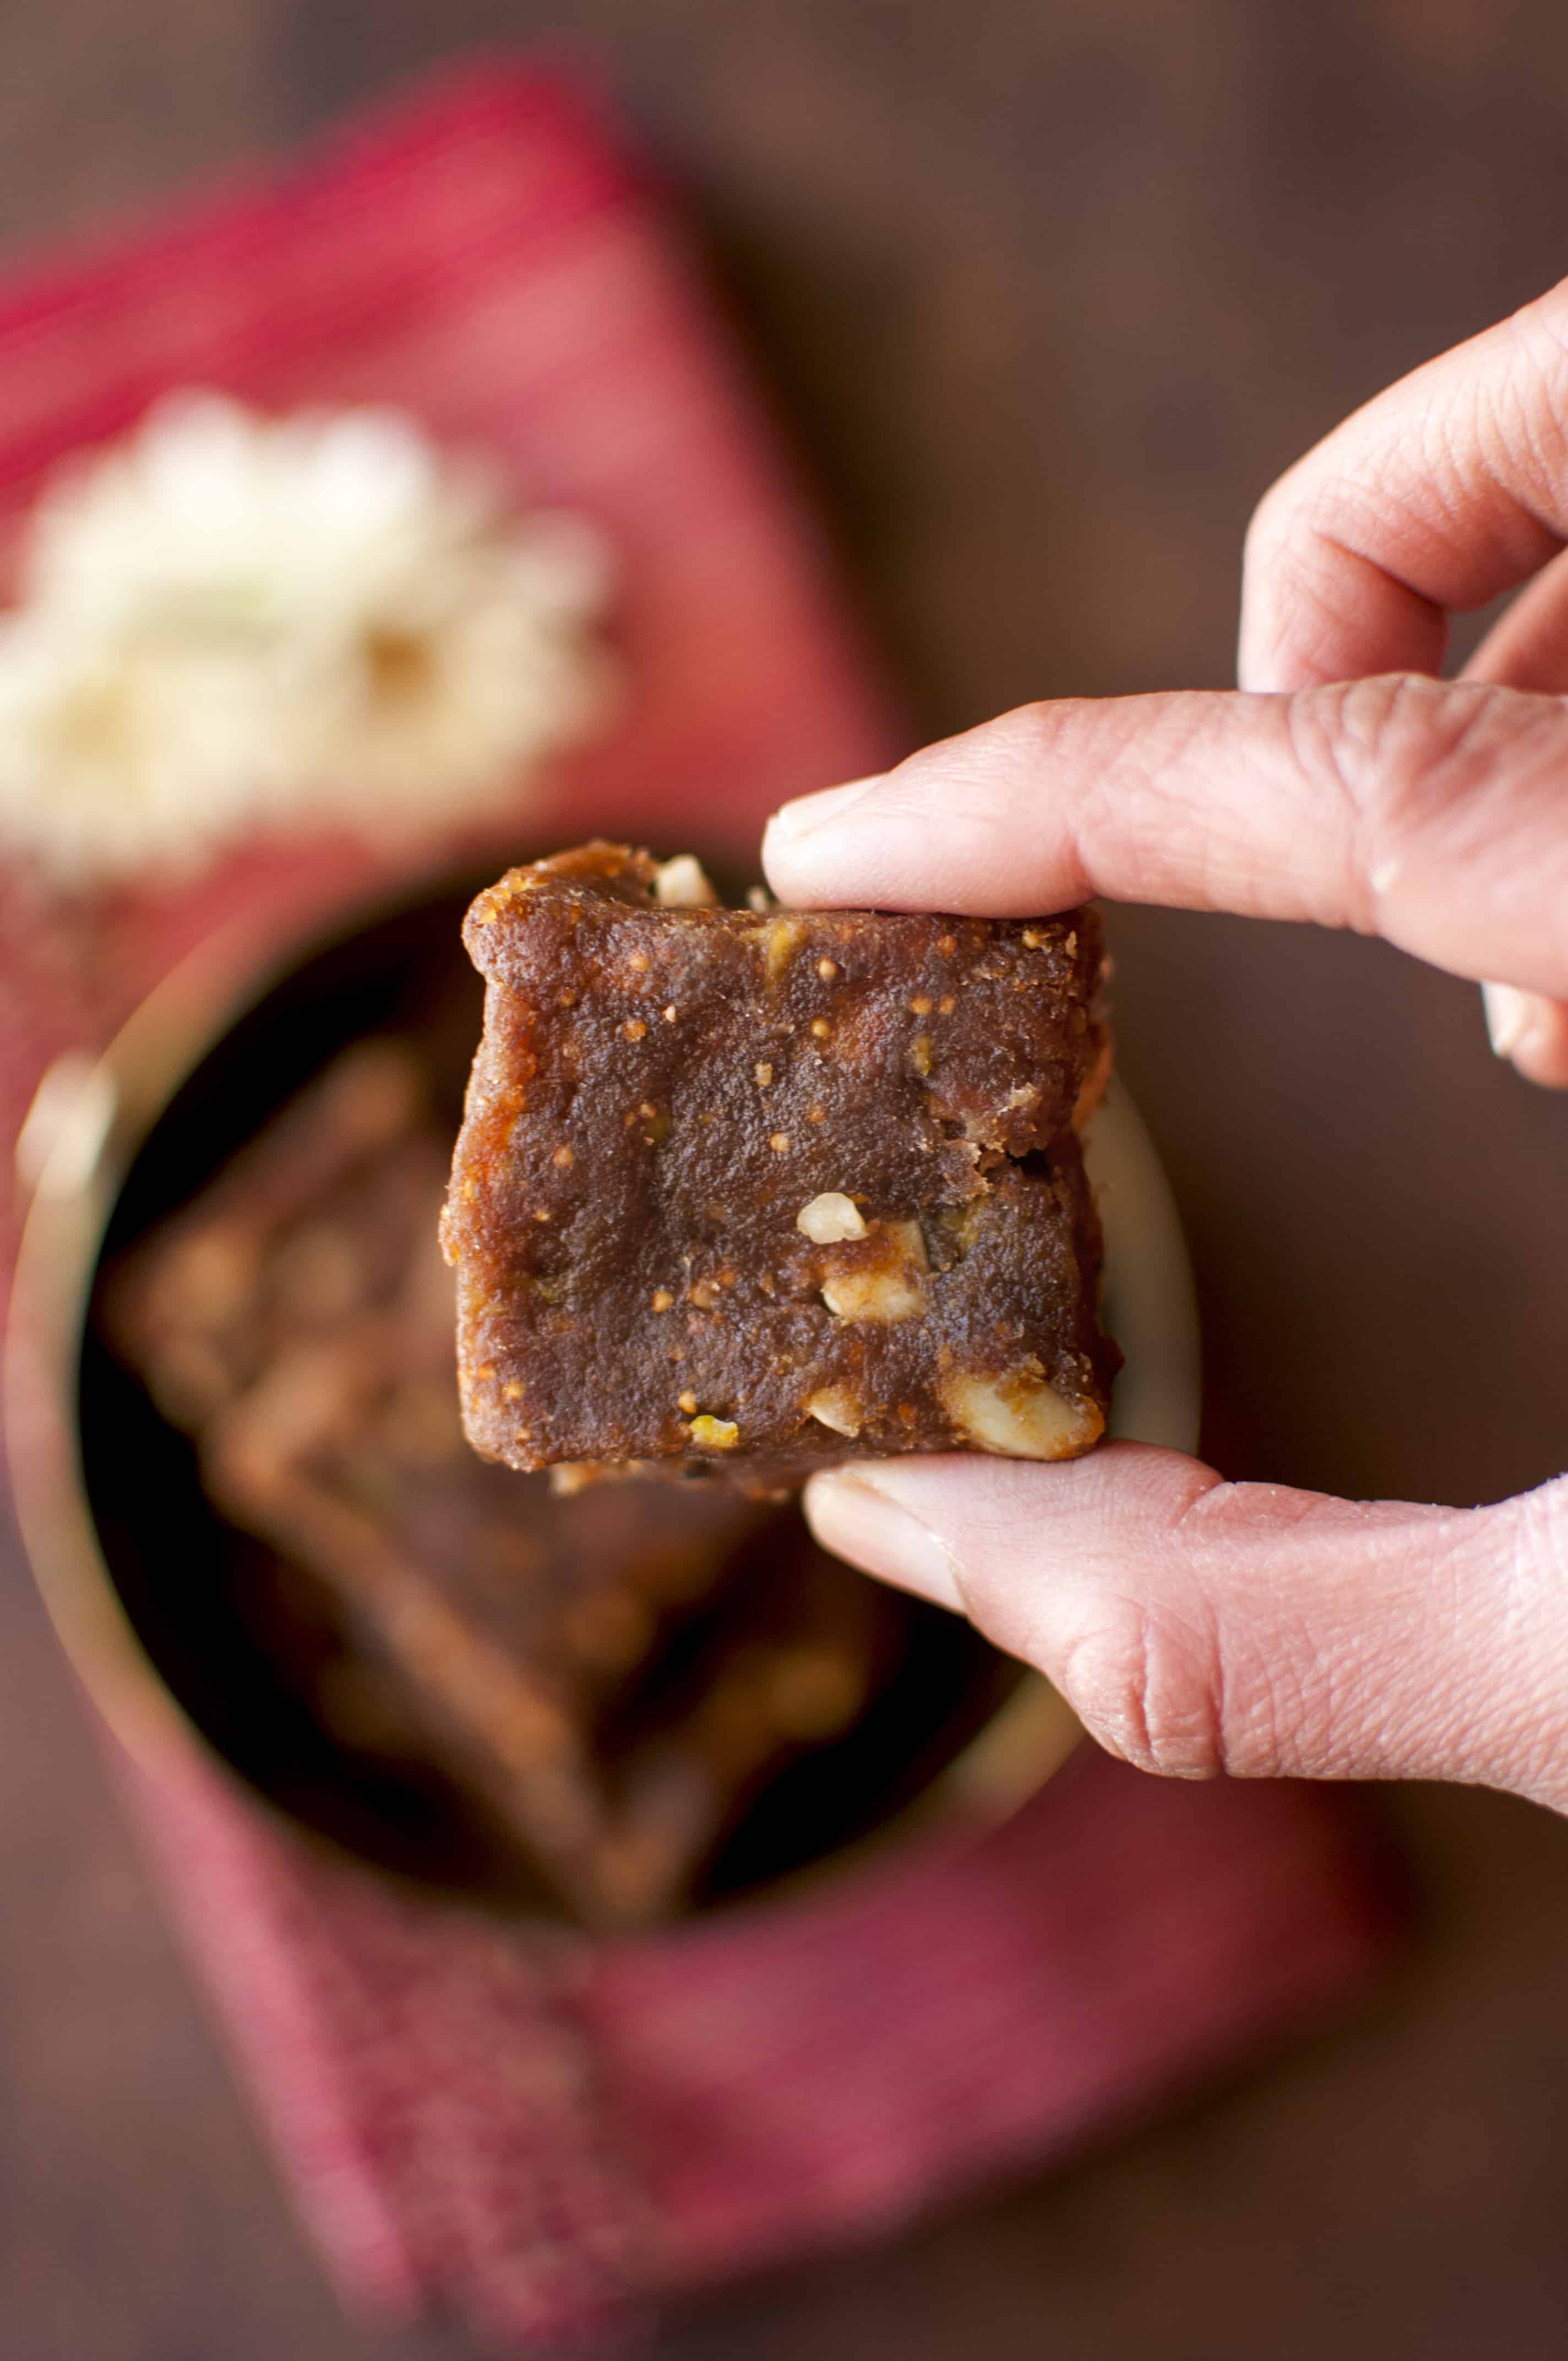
1200	1625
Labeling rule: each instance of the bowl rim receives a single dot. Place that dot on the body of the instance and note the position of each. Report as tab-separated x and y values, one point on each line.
89	1117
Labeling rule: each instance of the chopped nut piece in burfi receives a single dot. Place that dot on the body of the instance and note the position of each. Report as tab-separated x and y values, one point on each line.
831	1217
944	1299
683	884
836	1406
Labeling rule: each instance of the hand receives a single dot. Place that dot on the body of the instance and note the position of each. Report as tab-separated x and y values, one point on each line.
1199	1626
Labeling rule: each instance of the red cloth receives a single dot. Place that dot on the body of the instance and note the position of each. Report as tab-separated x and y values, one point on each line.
544	2133
551	2134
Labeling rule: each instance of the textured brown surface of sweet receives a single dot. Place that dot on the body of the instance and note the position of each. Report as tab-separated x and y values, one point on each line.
754	1191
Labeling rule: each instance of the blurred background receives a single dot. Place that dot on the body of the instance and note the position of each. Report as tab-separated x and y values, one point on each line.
1044	296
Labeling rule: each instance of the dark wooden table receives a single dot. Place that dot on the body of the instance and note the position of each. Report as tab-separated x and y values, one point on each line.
1050	290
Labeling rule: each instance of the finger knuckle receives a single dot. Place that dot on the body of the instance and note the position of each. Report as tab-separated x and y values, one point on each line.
1543	1520
1514	1730
1518	427
1146	1683
1401	751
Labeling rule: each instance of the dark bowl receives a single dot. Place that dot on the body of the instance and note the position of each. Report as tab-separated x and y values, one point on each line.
154	1592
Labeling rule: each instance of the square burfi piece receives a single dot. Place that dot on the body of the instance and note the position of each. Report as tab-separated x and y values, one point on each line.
757	1191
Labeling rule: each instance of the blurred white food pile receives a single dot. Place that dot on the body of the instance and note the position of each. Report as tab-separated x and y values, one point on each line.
231	622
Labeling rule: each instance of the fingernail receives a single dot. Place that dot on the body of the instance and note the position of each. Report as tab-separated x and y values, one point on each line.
853	1517
809	812
1510	1017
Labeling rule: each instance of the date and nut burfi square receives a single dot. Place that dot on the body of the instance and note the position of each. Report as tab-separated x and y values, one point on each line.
759	1190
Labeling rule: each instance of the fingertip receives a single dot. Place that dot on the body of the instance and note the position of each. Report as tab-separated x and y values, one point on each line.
1508	1014
800	840
968	1527
1530	1031
854	1514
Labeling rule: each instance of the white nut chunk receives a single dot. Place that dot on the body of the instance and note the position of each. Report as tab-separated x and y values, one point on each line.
683	884
1020	1417
891	1288
829	1218
836	1407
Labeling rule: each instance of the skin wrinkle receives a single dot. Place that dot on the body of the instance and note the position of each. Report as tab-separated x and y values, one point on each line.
1424	1575
1102	1676
1325	1759
1127	1678
1313	741
1529	763
1289	1690
1185	730
1219	874
1514	1726
1525	534
1205	1628
1076	818
1157	1681
1400	776
1187	1733
1316	535
1294	584
1543	1517
1308	1697
1418	624
1362	520
1429	764
1528	801
1504	427
1283	1708
1533	1531
1226	1503
1540	401
1469	447
1299	1693
1156	1674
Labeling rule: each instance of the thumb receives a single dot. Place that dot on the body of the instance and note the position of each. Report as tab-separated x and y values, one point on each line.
1200	1627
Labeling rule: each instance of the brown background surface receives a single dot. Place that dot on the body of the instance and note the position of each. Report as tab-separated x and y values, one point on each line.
1047	290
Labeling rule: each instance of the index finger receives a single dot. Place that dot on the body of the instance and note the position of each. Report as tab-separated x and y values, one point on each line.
1442	491
1425	811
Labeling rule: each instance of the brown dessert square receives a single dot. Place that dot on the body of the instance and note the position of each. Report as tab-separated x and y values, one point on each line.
750	1192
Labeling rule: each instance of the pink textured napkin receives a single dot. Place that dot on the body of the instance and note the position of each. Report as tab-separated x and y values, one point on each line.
546	2134
551	2135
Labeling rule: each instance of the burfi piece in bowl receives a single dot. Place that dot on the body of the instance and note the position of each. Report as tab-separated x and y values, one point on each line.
753	1192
